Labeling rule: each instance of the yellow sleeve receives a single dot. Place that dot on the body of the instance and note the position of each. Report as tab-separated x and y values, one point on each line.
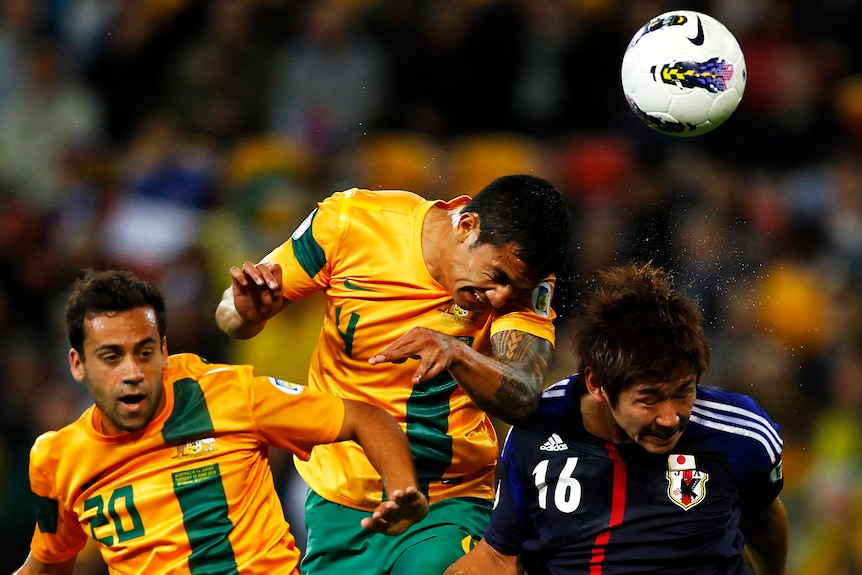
305	257
531	313
293	417
58	535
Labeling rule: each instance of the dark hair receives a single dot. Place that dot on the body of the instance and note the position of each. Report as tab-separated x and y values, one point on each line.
529	213
109	291
634	326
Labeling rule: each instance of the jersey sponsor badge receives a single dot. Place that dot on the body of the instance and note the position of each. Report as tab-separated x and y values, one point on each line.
554	443
542	299
777	473
286	386
686	483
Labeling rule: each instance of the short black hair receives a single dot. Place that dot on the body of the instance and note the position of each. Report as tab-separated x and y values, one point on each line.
109	291
633	325
530	213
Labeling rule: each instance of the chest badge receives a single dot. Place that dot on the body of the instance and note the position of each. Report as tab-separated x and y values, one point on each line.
686	483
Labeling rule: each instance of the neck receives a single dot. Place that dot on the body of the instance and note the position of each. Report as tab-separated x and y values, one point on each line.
437	237
599	421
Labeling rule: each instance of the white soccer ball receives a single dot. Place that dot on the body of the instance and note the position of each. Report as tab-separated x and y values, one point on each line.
683	73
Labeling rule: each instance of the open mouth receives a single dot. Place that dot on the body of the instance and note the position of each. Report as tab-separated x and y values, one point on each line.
132	400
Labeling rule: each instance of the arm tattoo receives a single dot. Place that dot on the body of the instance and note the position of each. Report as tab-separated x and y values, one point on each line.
527	358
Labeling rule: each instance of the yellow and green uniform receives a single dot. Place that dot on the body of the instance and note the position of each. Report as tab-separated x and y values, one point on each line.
193	491
364	249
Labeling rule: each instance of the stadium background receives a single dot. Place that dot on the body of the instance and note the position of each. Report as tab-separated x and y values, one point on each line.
178	137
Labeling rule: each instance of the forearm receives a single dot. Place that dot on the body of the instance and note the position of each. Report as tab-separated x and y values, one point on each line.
507	385
766	540
33	566
385	445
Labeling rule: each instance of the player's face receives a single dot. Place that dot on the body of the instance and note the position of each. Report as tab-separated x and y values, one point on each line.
485	276
122	365
654	415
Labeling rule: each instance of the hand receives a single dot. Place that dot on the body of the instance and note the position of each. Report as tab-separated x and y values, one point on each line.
396	515
257	294
434	350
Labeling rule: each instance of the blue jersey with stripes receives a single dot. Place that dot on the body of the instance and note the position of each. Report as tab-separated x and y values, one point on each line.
571	503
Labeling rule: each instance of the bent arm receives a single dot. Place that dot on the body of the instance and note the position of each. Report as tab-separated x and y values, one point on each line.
383	440
766	539
386	447
484	559
33	566
509	384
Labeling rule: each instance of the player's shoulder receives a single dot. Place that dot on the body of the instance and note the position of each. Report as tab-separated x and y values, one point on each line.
373	199
723	403
557	402
737	419
60	443
188	367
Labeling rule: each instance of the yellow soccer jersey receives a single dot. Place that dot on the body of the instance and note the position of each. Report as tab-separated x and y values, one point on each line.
363	249
190	493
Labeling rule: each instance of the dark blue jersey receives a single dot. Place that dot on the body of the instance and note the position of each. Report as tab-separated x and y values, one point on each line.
570	503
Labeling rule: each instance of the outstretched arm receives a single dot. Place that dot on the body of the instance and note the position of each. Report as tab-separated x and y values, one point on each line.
387	449
254	296
484	559
33	566
507	385
766	539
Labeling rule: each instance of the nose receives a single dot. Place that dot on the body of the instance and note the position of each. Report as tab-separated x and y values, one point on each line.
499	294
667	415
132	371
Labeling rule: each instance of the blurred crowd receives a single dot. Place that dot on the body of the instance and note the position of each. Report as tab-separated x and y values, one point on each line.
179	137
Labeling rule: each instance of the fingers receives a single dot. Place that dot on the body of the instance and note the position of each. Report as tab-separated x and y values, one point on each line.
263	274
396	515
432	349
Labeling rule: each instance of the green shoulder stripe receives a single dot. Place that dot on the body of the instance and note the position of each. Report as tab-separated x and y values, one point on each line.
308	252
190	417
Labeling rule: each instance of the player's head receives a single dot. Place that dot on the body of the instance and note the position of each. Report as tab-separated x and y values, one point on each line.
116	325
531	215
641	350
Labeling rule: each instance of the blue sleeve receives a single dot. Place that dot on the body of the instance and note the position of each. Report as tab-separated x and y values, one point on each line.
752	441
510	522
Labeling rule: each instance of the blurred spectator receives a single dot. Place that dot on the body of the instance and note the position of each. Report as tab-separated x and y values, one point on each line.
20	20
48	113
328	81
130	63
217	82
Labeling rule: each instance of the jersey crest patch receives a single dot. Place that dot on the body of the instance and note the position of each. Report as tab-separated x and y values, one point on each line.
286	386
686	484
453	314
195	448
542	299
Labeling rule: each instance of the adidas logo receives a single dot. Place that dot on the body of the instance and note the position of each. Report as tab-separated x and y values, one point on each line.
554	443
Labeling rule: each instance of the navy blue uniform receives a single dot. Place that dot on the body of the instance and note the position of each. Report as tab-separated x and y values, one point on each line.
571	503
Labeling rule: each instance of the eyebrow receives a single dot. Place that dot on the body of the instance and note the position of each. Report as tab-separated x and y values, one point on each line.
116	347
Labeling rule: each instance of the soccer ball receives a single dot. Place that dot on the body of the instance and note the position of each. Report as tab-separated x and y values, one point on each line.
683	73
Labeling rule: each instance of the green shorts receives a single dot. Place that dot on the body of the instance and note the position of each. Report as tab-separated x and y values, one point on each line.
337	543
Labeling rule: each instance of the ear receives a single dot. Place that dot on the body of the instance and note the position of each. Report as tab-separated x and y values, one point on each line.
466	226
594	386
165	355
76	364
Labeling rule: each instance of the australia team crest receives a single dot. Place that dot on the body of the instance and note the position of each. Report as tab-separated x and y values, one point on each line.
686	483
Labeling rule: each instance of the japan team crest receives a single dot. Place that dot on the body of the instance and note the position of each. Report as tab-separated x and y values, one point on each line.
686	484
